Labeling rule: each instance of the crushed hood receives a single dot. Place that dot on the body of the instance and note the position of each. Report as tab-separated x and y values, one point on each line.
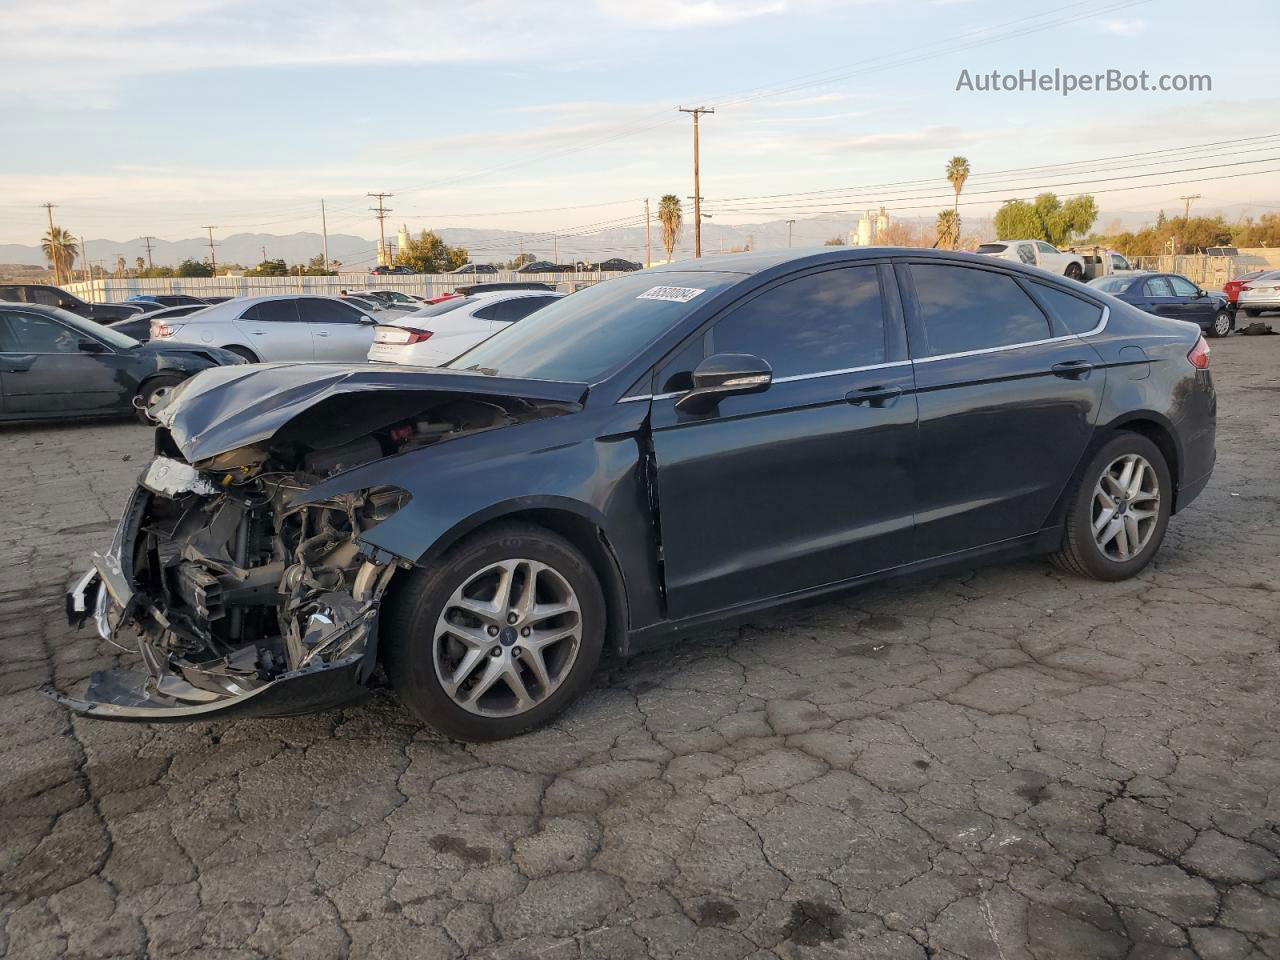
228	407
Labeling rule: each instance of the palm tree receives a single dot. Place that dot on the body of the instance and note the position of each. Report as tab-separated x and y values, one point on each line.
670	217
948	228
60	249
957	174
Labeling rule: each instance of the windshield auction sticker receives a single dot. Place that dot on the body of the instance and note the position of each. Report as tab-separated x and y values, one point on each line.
674	294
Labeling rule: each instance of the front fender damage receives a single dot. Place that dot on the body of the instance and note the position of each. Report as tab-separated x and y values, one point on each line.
242	590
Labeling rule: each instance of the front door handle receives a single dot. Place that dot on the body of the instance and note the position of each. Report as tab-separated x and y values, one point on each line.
880	396
1073	369
321	333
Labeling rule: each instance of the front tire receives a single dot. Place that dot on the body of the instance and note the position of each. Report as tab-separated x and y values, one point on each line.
1222	324
151	392
1118	512
498	636
248	355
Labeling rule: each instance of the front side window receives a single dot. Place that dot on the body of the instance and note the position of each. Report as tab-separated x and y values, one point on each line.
1158	287
318	310
1119	263
1045	247
45	296
817	323
1182	287
962	309
1076	314
28	333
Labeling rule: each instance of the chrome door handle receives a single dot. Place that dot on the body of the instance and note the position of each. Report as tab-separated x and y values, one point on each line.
321	333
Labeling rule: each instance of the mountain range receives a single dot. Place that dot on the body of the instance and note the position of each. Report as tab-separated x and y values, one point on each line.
491	245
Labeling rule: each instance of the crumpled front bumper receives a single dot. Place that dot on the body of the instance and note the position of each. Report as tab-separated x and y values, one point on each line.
158	693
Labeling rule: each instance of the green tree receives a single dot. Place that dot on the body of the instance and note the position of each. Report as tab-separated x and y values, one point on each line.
1046	218
61	251
269	268
957	174
834	242
427	253
671	217
519	261
948	229
193	268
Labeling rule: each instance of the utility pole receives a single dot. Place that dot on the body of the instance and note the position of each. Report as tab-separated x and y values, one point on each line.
57	258
648	257
790	223
213	257
696	112
1186	208
324	229
382	210
555	239
147	241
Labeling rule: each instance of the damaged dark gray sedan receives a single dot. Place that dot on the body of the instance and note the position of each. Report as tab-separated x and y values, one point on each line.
652	454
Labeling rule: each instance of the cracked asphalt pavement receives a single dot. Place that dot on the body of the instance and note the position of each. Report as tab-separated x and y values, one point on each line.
1002	763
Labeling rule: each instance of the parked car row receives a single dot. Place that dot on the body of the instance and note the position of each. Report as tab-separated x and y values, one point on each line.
1171	295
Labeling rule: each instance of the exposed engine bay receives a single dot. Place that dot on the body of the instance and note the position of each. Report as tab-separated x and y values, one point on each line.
230	586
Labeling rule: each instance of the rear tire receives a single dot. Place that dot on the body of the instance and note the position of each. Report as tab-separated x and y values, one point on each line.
1074	272
151	391
1116	520
1252	313
248	355
1222	324
475	645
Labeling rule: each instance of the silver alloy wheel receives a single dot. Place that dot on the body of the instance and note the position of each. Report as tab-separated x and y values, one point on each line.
1126	507
507	638
1222	323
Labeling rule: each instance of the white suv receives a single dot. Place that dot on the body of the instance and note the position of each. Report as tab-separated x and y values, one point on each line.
1036	253
278	328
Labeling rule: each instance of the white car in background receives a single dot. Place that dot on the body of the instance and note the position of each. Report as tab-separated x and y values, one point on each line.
1259	294
436	334
1036	253
278	328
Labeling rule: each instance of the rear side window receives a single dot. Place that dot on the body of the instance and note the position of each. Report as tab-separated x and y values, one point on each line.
518	308
963	309
274	311
822	322
1027	254
1158	287
491	311
1077	315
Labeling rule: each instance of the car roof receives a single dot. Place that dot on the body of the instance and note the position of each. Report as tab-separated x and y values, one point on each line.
760	261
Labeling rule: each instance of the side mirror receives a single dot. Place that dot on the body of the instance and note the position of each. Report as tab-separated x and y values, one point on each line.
91	346
1202	293
364	318
724	375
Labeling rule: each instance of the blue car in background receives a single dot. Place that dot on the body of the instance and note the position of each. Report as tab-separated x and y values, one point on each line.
1171	295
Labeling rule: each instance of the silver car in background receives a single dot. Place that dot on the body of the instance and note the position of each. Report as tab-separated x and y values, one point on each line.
272	328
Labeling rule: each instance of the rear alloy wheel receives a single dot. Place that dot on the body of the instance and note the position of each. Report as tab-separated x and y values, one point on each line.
1119	511
1222	324
499	636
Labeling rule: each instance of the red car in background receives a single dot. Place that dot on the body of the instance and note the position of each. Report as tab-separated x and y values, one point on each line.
1231	289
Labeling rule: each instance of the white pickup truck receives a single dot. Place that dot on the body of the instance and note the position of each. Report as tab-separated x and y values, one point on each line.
1036	253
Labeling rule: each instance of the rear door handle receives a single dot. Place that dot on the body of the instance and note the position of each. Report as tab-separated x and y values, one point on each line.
1073	369
880	396
321	333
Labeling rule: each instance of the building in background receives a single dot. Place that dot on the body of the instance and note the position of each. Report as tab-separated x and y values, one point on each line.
873	227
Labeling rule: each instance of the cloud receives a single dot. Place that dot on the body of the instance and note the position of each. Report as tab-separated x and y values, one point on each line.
668	14
1121	27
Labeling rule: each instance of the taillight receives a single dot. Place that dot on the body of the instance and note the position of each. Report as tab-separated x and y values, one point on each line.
1199	355
400	336
160	329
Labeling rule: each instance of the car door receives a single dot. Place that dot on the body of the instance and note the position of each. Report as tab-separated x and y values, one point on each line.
1051	258
1007	405
273	331
1158	297
339	331
807	483
1191	306
48	367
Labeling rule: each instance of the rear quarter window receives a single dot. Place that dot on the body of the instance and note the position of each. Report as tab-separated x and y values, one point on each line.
1076	314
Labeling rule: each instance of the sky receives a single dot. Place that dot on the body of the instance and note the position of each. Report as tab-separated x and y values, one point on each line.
140	117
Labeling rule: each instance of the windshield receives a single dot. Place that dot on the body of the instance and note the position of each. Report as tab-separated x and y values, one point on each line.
1111	284
113	338
588	334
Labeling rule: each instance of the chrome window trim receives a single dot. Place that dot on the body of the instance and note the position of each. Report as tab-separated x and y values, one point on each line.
1102	325
791	379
